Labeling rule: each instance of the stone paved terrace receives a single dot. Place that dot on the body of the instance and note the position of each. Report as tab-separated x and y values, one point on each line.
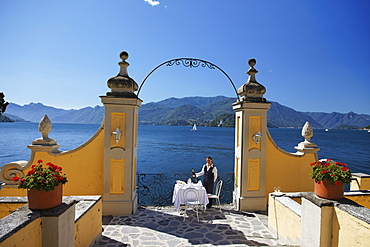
164	226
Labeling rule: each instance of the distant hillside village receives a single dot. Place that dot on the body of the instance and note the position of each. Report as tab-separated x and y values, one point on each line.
203	111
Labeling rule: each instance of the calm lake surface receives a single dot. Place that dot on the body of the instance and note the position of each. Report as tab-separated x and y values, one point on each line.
176	149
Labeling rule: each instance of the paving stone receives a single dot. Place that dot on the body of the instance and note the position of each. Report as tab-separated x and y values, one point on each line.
213	236
193	235
129	230
152	243
236	237
134	236
151	226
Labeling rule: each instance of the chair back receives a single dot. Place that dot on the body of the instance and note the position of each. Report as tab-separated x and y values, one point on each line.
218	188
191	196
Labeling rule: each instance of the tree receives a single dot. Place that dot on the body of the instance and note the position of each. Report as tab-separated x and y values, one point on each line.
3	104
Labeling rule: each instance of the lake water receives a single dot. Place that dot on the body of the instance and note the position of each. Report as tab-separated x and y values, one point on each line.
176	149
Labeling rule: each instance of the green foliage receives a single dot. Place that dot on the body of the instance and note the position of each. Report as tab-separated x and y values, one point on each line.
327	169
3	104
42	178
228	120
5	118
346	127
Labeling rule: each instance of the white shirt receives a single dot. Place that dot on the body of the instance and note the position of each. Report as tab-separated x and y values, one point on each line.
214	171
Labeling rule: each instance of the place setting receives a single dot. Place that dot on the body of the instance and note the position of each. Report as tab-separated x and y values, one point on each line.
180	189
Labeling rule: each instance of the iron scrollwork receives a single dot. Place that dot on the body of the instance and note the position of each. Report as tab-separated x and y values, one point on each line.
190	62
157	189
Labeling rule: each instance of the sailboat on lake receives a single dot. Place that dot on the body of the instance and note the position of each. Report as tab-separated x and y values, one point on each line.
194	128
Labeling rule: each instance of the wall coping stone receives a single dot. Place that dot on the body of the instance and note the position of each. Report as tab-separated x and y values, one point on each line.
360	175
354	209
320	202
13	199
84	203
344	204
286	200
22	216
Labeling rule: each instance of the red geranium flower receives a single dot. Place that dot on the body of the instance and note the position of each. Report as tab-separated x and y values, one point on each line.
336	183
334	172
42	177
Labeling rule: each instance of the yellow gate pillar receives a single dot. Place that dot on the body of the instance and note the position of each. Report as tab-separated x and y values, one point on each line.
120	143
250	144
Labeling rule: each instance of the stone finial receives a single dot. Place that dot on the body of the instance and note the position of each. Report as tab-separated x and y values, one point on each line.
252	91
307	132
307	146
45	128
122	85
123	64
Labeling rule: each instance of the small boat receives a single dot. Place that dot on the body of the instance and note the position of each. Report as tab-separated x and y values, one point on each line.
194	128
368	131
326	129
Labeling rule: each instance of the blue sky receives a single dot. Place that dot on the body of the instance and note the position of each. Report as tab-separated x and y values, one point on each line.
311	55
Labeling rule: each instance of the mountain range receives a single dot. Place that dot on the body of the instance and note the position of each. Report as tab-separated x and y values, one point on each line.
209	111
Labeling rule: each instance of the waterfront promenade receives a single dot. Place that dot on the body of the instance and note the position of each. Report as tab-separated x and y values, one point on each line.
164	226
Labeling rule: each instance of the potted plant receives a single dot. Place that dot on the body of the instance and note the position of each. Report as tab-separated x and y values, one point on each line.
44	185
330	177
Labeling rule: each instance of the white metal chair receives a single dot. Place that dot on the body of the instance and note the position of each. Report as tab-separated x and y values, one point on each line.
191	198
217	194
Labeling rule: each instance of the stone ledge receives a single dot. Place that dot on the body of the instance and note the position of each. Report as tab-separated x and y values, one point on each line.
13	199
344	204
361	175
286	200
15	221
357	193
84	203
320	202
23	216
354	209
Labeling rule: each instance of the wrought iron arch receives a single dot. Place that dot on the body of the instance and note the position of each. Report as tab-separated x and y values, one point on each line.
191	63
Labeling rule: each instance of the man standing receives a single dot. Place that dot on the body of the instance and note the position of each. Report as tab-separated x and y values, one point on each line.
210	175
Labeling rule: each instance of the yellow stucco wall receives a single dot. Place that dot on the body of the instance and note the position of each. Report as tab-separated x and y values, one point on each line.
288	171
348	230
29	235
284	221
89	226
82	165
7	208
362	200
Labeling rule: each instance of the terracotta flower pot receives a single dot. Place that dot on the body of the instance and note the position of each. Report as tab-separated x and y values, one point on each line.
326	190
42	200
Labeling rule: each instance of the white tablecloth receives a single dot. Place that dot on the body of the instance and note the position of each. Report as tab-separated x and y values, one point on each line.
178	194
